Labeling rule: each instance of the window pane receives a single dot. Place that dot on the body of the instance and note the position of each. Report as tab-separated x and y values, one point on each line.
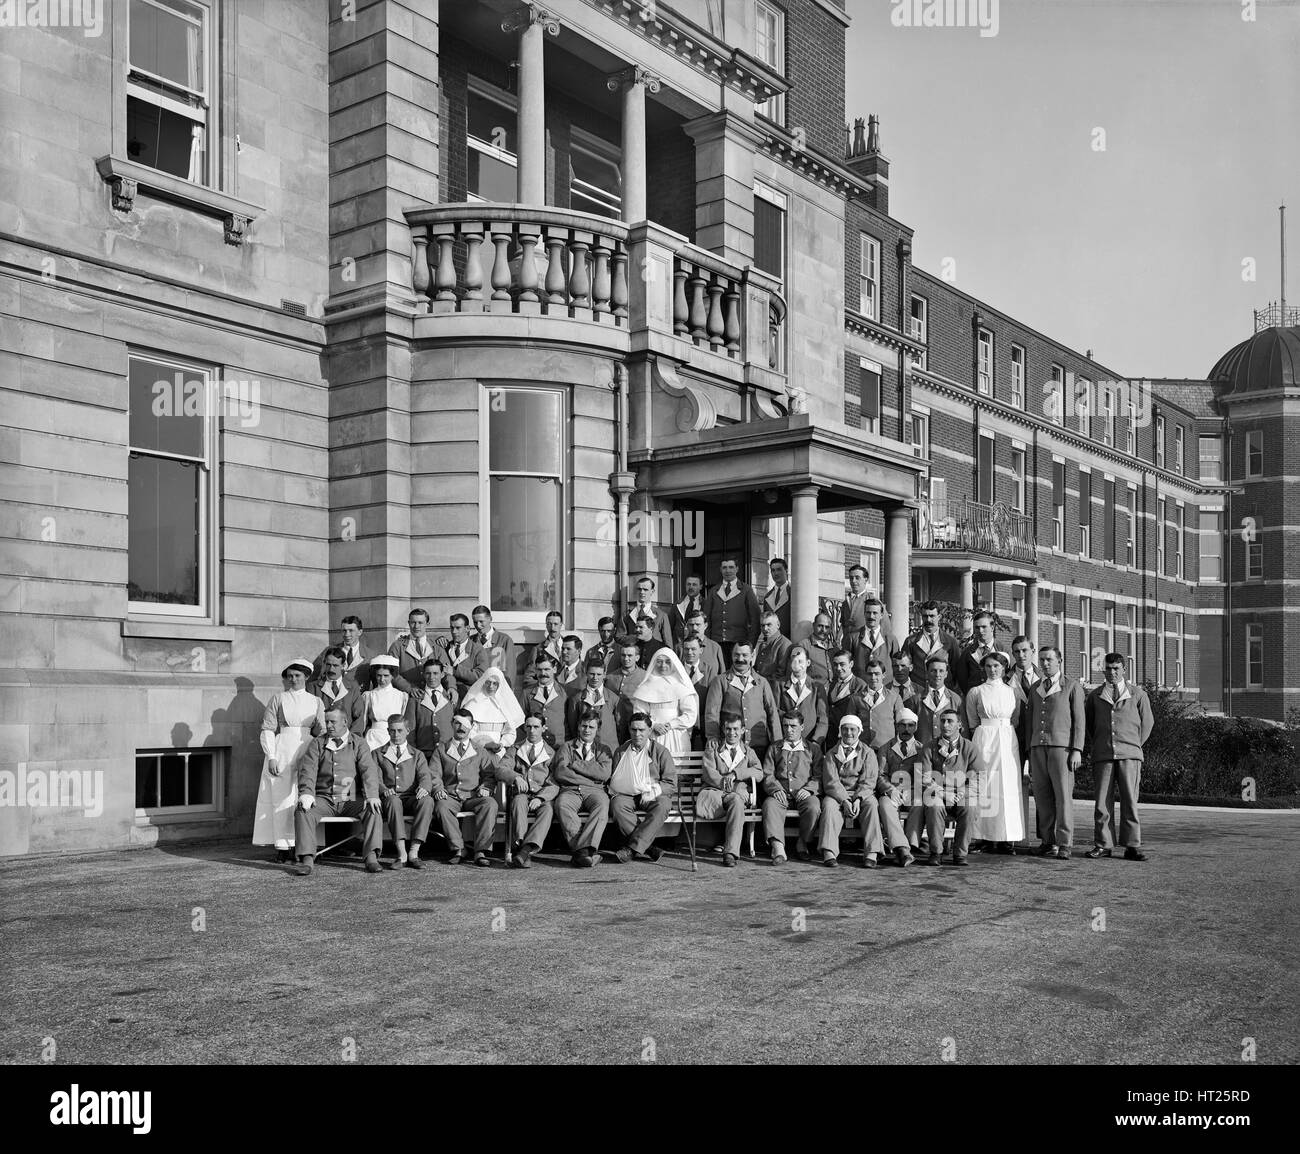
492	123
146	782
173	779
598	171
525	431
769	238
164	140
525	543
163	534
200	779
167	407
167	44
492	179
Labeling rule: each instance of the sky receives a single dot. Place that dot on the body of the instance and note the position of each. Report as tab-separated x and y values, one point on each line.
1135	251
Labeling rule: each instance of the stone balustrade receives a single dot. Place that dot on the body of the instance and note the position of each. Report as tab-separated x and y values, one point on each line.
706	300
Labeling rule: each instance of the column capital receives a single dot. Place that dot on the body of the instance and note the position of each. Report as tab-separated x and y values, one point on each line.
528	14
805	491
633	74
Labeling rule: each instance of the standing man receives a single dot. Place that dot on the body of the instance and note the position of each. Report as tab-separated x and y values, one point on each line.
710	651
726	771
970	666
731	612
607	647
949	789
935	699
1119	722
853	609
903	685
499	647
844	693
644	782
875	642
337	778
777	598
550	643
582	769
931	641
593	695
463	781
356	653
882	709
820	648
792	773
433	708
772	657
1024	676
749	697
405	786
462	658
1057	720
702	676
412	649
547	701
531	794
627	674
569	674
334	686
693	602
805	697
647	643
646	610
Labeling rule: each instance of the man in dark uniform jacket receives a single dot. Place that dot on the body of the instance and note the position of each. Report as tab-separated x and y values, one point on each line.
405	787
594	695
433	708
931	641
731	611
547	700
337	778
646	610
335	687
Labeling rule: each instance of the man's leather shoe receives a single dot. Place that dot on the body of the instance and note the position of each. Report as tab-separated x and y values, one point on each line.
414	863
655	852
1062	854
393	865
1133	854
903	858
828	859
1046	851
304	868
481	859
729	860
934	859
959	861
582	859
520	860
1096	852
868	862
457	857
624	855
372	865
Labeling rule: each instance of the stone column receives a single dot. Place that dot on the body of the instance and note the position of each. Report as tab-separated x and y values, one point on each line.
897	569
634	82
967	601
803	562
1031	613
532	23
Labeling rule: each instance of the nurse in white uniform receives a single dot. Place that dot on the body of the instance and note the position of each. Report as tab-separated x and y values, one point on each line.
292	718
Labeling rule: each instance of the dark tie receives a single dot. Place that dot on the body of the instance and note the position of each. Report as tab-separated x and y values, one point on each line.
334	688
461	749
727	589
582	751
349	652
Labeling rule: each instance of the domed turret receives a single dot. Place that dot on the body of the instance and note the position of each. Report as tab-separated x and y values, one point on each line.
1268	361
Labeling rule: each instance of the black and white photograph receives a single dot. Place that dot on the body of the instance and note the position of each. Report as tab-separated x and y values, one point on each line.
649	533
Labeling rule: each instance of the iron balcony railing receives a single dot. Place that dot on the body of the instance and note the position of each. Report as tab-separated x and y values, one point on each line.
962	525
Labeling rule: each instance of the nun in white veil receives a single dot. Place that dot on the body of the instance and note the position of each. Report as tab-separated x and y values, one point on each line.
668	696
497	715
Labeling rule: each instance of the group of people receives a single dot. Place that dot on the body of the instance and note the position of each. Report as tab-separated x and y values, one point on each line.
848	726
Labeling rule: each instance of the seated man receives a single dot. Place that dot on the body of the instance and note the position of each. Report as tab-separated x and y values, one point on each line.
464	781
849	777
792	773
726	772
844	693
881	706
547	700
905	763
748	696
594	695
644	781
328	773
405	786
531	793
949	789
582	769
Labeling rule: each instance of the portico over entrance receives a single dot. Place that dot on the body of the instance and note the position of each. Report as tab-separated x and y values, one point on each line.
791	465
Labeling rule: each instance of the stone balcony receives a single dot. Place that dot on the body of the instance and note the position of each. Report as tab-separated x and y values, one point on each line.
513	272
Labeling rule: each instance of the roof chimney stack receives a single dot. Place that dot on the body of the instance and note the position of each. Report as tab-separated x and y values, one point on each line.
866	161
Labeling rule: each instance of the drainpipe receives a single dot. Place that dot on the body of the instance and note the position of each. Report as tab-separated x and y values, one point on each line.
622	484
1225	560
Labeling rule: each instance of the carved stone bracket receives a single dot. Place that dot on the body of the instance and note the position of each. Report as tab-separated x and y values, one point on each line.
123	193
634	74
236	227
531	14
695	410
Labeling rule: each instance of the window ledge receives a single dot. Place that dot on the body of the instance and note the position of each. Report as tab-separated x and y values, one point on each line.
177	628
127	178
